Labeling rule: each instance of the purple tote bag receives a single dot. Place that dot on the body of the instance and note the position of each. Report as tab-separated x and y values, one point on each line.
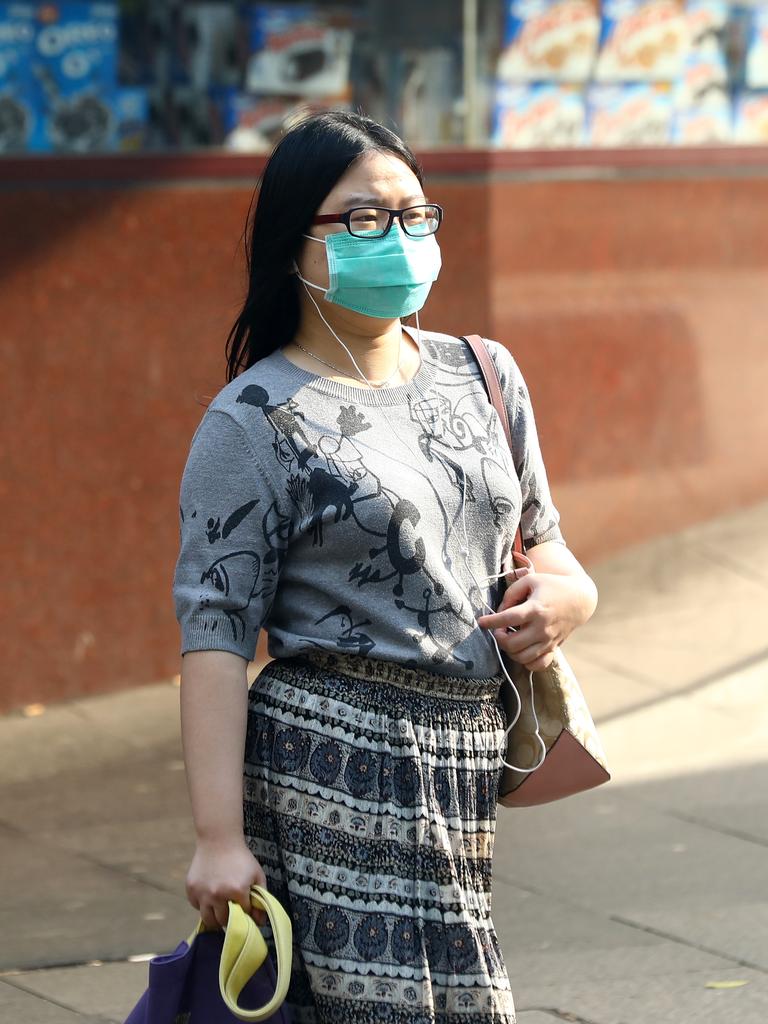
184	987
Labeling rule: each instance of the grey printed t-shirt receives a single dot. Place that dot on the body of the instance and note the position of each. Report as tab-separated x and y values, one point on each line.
309	511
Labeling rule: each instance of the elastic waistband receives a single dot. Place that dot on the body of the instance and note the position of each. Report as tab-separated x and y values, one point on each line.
433	684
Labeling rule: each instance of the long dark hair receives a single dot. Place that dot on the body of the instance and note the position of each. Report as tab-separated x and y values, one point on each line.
302	170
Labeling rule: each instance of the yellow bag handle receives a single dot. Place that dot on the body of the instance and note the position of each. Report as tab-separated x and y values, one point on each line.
245	951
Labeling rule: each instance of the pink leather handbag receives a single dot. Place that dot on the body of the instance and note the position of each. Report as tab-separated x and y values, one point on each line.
574	760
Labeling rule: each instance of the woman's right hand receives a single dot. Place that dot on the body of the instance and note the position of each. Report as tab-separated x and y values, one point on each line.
223	869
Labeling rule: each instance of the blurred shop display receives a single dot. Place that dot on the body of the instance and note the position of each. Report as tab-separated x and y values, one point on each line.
92	77
78	77
641	72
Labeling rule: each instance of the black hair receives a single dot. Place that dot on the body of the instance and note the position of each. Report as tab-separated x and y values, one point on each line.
303	168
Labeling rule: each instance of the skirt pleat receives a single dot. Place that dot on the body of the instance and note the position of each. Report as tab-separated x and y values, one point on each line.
370	802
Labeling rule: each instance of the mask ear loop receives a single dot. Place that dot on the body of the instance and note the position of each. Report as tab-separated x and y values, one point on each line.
464	550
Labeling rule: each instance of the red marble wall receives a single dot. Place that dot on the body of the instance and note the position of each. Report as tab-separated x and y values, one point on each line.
636	309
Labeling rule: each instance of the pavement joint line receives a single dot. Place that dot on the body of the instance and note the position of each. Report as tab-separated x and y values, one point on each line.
735	565
722	829
90	859
587	650
738	961
14	972
566	1015
12	829
628	922
698	684
54	1002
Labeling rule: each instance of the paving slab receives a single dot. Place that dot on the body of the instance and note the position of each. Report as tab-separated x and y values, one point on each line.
140	789
738	541
740	929
619	856
157	852
107	991
661	616
684	999
722	724
609	694
627	959
84	911
20	1007
108	728
531	922
731	800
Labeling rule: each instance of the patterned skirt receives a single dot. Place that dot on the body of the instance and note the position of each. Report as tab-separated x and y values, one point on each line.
370	802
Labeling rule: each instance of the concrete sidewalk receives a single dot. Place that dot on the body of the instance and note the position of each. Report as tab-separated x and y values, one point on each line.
645	900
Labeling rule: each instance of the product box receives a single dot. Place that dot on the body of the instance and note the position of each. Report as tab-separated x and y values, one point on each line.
704	124
297	50
208	44
705	68
750	117
642	41
637	114
253	124
185	116
552	40
704	75
707	21
538	116
74	72
756	58
161	49
429	86
17	111
132	117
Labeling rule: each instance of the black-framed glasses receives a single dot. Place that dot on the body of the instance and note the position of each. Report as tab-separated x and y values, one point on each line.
375	221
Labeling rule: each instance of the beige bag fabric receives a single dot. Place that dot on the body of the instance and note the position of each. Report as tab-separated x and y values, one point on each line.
574	761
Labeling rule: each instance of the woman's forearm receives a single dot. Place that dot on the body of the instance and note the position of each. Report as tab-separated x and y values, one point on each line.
214	709
558	560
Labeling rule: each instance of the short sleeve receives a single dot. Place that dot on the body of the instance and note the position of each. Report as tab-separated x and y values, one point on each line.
227	568
540	518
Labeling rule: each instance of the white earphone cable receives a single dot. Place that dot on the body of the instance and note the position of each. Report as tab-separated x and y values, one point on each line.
464	548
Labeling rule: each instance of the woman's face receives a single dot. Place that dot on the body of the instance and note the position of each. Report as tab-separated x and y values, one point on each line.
376	179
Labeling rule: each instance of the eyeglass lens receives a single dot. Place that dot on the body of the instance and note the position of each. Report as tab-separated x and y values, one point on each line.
416	220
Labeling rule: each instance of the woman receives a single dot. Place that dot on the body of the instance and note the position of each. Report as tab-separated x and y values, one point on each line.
351	491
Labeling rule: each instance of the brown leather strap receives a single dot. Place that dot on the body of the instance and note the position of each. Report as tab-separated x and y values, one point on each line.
493	387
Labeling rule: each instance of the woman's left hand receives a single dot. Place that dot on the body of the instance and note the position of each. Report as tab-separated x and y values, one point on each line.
542	609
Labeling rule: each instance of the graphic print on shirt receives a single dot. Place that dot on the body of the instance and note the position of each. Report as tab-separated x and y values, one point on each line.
344	485
329	478
260	572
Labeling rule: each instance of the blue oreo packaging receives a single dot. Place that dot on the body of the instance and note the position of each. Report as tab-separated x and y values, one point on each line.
74	76
17	108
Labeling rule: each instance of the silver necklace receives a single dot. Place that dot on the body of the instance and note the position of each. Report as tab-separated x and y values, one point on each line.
374	384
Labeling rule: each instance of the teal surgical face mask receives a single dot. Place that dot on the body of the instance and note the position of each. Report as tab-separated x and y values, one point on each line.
387	276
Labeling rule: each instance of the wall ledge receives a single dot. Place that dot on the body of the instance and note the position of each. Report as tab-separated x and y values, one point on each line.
219	165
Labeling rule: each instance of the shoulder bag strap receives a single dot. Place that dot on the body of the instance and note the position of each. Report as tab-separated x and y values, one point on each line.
493	387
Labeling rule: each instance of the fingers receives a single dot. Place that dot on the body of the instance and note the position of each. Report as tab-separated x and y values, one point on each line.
536	657
527	647
516	616
214	915
515	643
518	589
